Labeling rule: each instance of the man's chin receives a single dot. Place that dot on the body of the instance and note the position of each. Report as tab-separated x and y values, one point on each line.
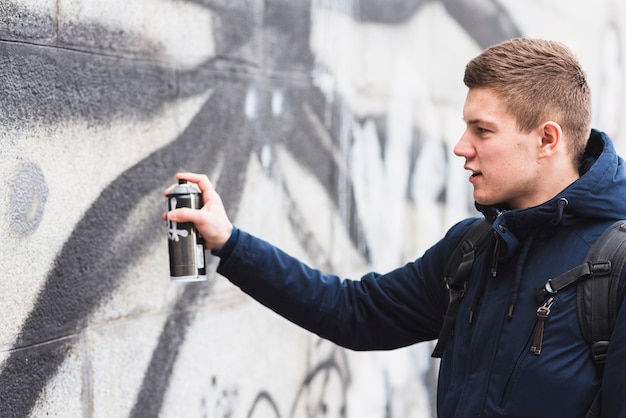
480	199
483	200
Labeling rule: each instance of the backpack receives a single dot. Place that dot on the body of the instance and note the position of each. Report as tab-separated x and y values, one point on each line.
597	279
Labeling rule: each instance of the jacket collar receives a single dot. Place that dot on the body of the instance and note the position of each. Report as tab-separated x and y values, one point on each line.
597	194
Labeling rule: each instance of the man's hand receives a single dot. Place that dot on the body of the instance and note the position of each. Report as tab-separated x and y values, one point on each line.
211	220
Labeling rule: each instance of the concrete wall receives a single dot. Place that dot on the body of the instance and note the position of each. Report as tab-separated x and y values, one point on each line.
327	126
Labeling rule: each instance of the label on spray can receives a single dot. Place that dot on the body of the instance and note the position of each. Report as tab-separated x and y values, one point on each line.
186	245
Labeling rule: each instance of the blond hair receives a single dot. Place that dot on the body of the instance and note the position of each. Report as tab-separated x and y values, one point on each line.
538	80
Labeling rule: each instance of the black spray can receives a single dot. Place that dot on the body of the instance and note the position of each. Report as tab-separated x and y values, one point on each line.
186	245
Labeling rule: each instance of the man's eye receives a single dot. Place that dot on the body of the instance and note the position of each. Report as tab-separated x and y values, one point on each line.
481	131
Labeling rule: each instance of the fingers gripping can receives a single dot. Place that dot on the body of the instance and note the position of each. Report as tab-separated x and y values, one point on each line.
186	245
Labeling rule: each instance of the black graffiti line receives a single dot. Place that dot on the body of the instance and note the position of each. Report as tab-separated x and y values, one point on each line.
76	285
324	369
263	397
161	366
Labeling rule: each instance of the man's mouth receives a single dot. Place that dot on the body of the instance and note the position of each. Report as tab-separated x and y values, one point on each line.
474	175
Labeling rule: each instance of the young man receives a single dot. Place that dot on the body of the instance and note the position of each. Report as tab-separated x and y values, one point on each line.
548	184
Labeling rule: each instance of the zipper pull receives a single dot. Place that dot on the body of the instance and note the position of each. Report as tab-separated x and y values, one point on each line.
542	313
495	255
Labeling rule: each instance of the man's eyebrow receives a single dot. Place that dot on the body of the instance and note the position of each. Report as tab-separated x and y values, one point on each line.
478	121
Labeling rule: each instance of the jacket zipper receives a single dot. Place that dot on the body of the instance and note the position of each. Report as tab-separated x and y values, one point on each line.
542	313
535	339
495	255
496	250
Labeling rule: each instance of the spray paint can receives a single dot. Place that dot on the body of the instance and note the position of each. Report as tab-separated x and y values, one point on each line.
186	245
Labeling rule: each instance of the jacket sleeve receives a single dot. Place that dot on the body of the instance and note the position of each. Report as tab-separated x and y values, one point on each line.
377	312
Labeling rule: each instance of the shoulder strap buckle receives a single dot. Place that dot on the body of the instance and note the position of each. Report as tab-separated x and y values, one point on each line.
599	350
600	268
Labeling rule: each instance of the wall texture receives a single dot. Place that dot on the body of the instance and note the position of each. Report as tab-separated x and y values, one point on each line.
327	126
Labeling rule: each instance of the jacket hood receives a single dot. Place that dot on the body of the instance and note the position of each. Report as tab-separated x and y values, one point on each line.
599	193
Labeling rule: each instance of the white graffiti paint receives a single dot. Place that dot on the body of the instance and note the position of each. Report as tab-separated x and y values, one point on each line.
173	232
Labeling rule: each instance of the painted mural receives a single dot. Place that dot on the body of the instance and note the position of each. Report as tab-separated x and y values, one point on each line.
326	126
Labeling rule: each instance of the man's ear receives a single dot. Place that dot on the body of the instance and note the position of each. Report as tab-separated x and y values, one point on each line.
551	137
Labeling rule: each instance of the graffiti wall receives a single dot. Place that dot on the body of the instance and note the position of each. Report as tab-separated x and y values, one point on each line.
327	127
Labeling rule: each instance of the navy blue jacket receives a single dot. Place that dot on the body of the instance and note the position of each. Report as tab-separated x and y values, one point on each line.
488	369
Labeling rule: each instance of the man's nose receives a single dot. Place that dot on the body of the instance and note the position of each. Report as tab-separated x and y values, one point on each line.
463	147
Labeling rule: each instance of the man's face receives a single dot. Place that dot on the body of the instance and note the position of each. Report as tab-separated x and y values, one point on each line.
503	161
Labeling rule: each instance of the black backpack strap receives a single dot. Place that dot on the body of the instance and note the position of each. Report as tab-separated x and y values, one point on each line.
594	411
597	297
457	272
553	286
598	279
